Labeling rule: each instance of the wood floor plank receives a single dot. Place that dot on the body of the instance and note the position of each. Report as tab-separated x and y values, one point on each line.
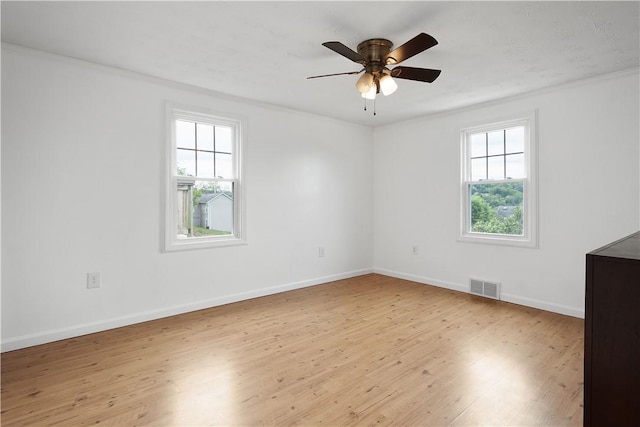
362	351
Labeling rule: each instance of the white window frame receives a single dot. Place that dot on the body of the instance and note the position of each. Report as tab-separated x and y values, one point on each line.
200	115
529	239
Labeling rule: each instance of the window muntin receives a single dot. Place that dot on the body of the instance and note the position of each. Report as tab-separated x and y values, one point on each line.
203	149
498	193
497	155
204	206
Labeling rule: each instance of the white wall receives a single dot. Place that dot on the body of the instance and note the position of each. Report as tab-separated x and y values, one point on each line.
85	144
589	188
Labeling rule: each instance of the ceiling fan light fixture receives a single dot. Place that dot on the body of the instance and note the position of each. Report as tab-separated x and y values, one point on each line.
371	94
387	85
365	83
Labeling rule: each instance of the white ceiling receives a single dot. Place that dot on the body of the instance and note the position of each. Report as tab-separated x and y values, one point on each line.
265	50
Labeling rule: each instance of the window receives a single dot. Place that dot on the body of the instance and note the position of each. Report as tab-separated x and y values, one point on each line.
498	192
204	185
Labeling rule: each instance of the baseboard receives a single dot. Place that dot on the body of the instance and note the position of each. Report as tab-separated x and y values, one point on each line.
514	299
44	337
544	305
421	279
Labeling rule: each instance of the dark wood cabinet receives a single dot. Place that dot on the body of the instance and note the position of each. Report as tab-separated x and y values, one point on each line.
612	335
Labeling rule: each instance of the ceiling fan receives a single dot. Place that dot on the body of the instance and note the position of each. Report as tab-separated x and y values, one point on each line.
375	55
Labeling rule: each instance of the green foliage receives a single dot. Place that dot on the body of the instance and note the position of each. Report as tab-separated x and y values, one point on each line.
209	187
496	225
197	193
486	199
503	194
204	188
480	210
201	231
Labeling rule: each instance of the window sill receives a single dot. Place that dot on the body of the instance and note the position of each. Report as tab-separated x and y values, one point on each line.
203	243
498	239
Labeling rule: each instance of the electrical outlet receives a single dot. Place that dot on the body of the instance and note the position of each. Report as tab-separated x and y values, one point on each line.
321	252
93	280
415	250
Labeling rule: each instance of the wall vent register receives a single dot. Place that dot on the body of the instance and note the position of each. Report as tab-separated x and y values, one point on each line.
484	289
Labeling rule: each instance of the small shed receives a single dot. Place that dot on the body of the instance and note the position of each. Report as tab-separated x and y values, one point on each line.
214	212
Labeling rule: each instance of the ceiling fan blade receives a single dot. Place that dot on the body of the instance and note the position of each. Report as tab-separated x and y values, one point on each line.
419	74
418	44
345	51
336	74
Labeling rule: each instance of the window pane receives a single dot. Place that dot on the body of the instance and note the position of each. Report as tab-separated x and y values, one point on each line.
213	213
185	134
205	137
497	208
205	164
478	145
515	140
495	142
186	162
495	167
224	168
515	166
205	208
478	169
223	139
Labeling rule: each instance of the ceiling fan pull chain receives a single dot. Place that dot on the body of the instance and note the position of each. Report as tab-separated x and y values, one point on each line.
365	104
374	106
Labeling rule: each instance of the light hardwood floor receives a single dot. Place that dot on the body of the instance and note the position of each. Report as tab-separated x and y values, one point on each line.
363	351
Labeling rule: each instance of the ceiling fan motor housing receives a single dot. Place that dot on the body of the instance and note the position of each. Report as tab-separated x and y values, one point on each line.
374	52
